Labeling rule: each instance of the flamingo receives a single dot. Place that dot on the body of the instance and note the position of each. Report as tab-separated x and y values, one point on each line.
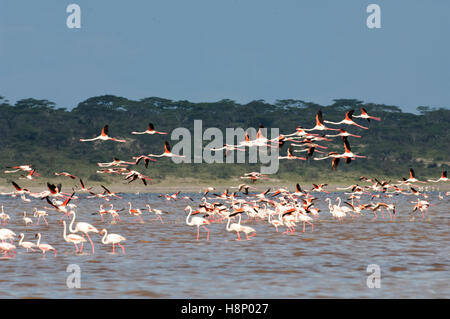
166	153
150	130
63	207
28	245
27	220
319	124
4	217
103	137
134	175
275	222
39	214
65	174
233	227
146	159
83	188
196	221
348	120
112	239
25	168
44	247
289	155
366	116
20	190
8	248
228	148
343	133
74	239
30	175
84	228
6	234
136	212
158	213
443	178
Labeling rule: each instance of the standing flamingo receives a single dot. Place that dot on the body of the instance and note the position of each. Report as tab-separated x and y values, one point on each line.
28	245
196	221
74	239
112	239
43	247
85	228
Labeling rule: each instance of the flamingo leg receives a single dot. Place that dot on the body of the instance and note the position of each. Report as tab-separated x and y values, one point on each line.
198	232
123	249
113	249
92	244
239	236
207	238
76	248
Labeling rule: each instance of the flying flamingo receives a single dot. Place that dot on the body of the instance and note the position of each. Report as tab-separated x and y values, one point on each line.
319	124
167	152
25	168
228	148
343	133
443	178
366	116
412	178
150	130
30	175
348	120
196	221
65	174
103	136
20	190
289	155
112	239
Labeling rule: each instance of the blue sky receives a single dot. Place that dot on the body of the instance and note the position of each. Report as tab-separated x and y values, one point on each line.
207	50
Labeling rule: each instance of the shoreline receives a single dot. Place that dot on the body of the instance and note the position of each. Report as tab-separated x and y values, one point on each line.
190	185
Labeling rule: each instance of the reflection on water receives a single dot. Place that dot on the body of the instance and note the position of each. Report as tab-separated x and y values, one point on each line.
165	260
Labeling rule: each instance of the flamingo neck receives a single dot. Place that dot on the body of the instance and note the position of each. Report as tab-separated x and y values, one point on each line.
228	224
104	237
71	223
21	240
39	239
187	218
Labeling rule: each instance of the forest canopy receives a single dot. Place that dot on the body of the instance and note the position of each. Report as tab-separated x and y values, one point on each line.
40	133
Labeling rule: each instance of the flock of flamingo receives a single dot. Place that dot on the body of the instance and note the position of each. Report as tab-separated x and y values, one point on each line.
277	208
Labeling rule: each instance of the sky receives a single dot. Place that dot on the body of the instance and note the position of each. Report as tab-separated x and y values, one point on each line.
243	50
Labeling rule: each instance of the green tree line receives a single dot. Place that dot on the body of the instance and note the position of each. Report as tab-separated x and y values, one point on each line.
37	132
